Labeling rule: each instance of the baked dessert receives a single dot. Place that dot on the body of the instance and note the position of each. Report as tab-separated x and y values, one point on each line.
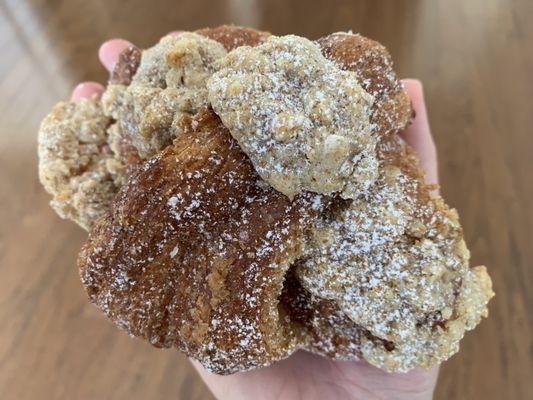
76	163
247	196
294	113
194	252
395	263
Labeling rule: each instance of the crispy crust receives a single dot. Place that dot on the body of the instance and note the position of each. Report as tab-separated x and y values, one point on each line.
126	67
169	84
304	128
76	165
436	334
231	36
123	125
82	187
373	65
368	272
194	252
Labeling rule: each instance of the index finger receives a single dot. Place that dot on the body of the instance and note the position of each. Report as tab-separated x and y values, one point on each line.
109	52
418	134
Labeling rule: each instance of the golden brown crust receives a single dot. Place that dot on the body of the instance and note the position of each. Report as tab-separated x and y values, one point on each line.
126	66
303	121
169	84
194	252
395	263
373	65
320	324
231	36
143	119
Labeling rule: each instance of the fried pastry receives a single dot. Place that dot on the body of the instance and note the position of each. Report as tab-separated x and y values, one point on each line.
169	84
194	252
372	64
393	259
138	115
395	318
195	244
231	36
395	263
76	164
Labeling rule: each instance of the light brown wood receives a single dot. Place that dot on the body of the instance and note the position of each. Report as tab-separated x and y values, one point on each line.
476	60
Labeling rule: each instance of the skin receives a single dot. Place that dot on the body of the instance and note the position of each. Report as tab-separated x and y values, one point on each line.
305	375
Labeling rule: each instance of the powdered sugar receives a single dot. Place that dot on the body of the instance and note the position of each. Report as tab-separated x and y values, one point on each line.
303	122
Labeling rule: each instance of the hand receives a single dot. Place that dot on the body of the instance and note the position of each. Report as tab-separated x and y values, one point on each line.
305	375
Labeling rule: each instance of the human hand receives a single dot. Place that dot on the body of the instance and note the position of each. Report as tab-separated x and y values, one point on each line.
305	375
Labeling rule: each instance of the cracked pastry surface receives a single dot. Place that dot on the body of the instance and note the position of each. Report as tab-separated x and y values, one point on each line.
304	122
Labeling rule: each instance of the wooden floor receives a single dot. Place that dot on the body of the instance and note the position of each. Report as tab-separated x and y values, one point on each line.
476	59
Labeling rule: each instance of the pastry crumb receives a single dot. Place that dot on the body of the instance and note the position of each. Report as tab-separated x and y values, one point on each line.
303	121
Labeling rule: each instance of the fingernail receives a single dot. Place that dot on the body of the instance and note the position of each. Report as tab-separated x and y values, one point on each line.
110	51
87	90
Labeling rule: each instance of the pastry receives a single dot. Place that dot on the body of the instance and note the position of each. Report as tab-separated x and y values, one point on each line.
194	252
303	121
372	64
76	164
231	36
395	263
137	116
168	84
250	197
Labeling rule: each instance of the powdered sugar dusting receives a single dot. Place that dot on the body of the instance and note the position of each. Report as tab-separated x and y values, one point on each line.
195	257
304	122
395	264
76	165
197	252
169	85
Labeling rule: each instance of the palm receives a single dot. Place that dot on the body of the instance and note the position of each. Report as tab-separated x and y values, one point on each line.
308	376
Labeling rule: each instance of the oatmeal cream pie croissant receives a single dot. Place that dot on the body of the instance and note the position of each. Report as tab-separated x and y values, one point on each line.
230	180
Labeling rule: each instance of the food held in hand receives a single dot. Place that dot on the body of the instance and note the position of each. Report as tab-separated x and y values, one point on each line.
246	196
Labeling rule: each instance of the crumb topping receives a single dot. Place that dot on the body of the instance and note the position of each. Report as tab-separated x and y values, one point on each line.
303	121
194	252
168	85
190	248
76	165
373	66
395	263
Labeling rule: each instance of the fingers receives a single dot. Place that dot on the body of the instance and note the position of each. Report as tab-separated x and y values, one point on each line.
418	134
108	55
87	90
109	52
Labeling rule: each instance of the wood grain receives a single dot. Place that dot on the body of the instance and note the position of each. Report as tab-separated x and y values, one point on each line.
476	60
